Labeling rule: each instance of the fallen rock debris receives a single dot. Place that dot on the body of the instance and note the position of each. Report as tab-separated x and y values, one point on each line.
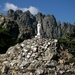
35	57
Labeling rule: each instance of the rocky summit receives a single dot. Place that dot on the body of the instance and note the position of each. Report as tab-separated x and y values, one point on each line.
24	24
36	57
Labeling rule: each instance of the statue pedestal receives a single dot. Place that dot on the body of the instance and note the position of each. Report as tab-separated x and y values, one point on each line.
37	36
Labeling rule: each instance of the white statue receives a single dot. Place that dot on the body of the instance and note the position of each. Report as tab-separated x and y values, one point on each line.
38	29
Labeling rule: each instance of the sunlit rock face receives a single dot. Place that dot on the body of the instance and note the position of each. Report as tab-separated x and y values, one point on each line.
50	28
24	25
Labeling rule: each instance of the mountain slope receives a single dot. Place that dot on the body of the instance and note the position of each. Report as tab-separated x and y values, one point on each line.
27	25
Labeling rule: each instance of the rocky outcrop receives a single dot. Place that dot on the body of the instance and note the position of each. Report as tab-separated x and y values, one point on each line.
24	24
35	56
10	24
49	27
66	27
15	29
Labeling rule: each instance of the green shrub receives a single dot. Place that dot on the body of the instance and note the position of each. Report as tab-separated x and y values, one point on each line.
71	60
5	40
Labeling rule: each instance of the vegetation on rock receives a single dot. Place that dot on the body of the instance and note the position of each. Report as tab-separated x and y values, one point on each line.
5	39
69	41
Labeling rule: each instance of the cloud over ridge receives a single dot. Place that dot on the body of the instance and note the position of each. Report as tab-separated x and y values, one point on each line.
8	6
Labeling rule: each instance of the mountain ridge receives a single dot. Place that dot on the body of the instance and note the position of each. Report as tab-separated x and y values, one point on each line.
27	24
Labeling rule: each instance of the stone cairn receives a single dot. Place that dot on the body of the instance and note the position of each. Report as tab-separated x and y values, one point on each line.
29	57
32	57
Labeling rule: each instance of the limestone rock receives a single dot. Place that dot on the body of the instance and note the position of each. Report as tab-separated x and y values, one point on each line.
27	24
34	56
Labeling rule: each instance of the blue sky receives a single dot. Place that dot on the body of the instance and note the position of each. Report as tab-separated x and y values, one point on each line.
63	10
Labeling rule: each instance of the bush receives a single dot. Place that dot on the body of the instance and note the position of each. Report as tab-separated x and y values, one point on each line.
5	40
71	60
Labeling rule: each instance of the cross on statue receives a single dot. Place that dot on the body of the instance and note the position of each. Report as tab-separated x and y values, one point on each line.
38	30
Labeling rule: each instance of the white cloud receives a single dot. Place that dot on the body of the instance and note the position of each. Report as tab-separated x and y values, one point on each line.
8	6
32	9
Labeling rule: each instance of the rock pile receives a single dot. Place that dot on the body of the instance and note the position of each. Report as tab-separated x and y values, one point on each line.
32	57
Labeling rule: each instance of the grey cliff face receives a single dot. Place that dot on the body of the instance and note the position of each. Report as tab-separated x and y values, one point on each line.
49	26
66	27
27	24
